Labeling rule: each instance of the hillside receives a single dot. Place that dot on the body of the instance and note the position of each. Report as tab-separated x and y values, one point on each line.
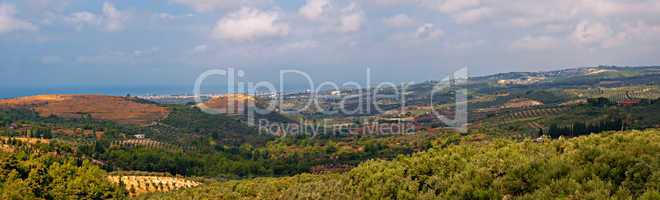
516	147
116	109
620	165
238	105
590	115
136	185
574	73
229	104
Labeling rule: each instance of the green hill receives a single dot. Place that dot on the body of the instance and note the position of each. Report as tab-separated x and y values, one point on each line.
620	165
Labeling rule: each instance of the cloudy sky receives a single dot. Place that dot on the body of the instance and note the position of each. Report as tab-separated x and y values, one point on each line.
170	42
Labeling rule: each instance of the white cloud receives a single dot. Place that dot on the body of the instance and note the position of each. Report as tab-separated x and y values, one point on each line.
535	43
472	16
314	9
449	6
605	8
81	19
351	19
591	33
113	19
9	22
389	2
527	13
351	22
530	13
399	21
643	32
248	24
424	35
211	5
345	18
428	31
598	34
556	28
499	24
462	11
110	19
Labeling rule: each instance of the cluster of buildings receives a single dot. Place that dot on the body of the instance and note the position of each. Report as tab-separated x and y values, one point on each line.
521	81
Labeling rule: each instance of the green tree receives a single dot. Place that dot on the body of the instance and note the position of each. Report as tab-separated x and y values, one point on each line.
15	188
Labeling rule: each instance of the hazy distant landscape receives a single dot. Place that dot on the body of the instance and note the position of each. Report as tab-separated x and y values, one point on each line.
154	148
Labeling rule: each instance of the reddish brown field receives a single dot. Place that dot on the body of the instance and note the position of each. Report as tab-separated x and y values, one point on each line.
117	109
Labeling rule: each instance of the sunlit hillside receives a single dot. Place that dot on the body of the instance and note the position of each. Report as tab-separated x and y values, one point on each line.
136	184
117	109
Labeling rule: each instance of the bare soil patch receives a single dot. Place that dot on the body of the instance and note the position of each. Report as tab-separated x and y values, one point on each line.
112	108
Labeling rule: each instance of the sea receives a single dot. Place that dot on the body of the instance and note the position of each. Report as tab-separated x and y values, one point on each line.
159	90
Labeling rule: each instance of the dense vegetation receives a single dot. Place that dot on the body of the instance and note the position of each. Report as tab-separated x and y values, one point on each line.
285	156
603	115
620	165
216	146
596	115
26	175
224	129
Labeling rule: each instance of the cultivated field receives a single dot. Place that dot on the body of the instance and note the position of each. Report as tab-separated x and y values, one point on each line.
117	109
619	93
137	185
148	143
521	103
27	140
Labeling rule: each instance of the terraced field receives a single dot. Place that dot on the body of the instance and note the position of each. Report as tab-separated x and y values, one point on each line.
148	143
618	94
530	119
530	113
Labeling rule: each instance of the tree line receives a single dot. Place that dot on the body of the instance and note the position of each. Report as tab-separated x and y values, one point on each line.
581	128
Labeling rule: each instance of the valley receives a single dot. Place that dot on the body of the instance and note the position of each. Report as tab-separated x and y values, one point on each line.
518	124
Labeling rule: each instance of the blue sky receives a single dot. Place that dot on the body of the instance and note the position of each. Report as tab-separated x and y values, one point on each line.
44	43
